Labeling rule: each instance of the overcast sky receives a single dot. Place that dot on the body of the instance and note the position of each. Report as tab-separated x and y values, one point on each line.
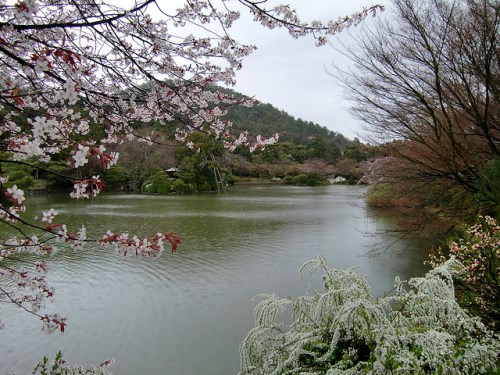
292	74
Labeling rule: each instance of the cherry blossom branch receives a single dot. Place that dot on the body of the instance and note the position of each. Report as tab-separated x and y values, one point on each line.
284	16
73	24
50	322
71	66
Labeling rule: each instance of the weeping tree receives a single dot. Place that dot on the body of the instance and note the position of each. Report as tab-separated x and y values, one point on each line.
342	329
426	83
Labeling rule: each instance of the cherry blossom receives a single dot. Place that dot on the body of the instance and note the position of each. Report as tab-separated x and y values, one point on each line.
15	194
71	67
80	156
125	245
107	160
49	215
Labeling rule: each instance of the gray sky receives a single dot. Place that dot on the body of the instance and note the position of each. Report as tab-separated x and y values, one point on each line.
292	74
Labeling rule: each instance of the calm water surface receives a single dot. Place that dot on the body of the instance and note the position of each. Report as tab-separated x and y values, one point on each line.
186	313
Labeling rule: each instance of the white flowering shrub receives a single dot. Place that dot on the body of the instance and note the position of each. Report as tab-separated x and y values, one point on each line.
418	328
337	180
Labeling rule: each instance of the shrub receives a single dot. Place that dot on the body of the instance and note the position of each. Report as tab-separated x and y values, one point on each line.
157	183
309	179
180	186
289	180
300	179
342	329
478	288
19	175
205	186
388	197
163	188
314	179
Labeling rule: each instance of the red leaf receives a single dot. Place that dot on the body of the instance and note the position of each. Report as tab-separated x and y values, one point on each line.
53	227
174	240
15	95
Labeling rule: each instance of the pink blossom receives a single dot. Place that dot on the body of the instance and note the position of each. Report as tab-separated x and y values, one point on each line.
15	194
80	190
49	215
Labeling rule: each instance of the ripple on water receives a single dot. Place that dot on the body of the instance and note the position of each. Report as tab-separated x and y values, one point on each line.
152	314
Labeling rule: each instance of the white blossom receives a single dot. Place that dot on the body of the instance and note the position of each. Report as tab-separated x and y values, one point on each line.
80	156
342	329
16	194
49	215
80	190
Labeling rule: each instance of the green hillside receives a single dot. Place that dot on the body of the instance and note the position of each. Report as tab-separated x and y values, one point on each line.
265	119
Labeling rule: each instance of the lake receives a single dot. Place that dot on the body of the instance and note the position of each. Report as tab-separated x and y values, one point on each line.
187	313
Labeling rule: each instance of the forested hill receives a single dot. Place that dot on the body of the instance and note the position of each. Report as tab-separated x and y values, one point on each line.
266	120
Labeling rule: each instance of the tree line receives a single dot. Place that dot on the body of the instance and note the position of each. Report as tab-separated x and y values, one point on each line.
304	148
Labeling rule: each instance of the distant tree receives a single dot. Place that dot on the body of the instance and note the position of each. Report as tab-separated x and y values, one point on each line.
267	120
141	159
57	175
352	170
318	167
324	146
428	78
19	175
116	177
355	152
201	163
